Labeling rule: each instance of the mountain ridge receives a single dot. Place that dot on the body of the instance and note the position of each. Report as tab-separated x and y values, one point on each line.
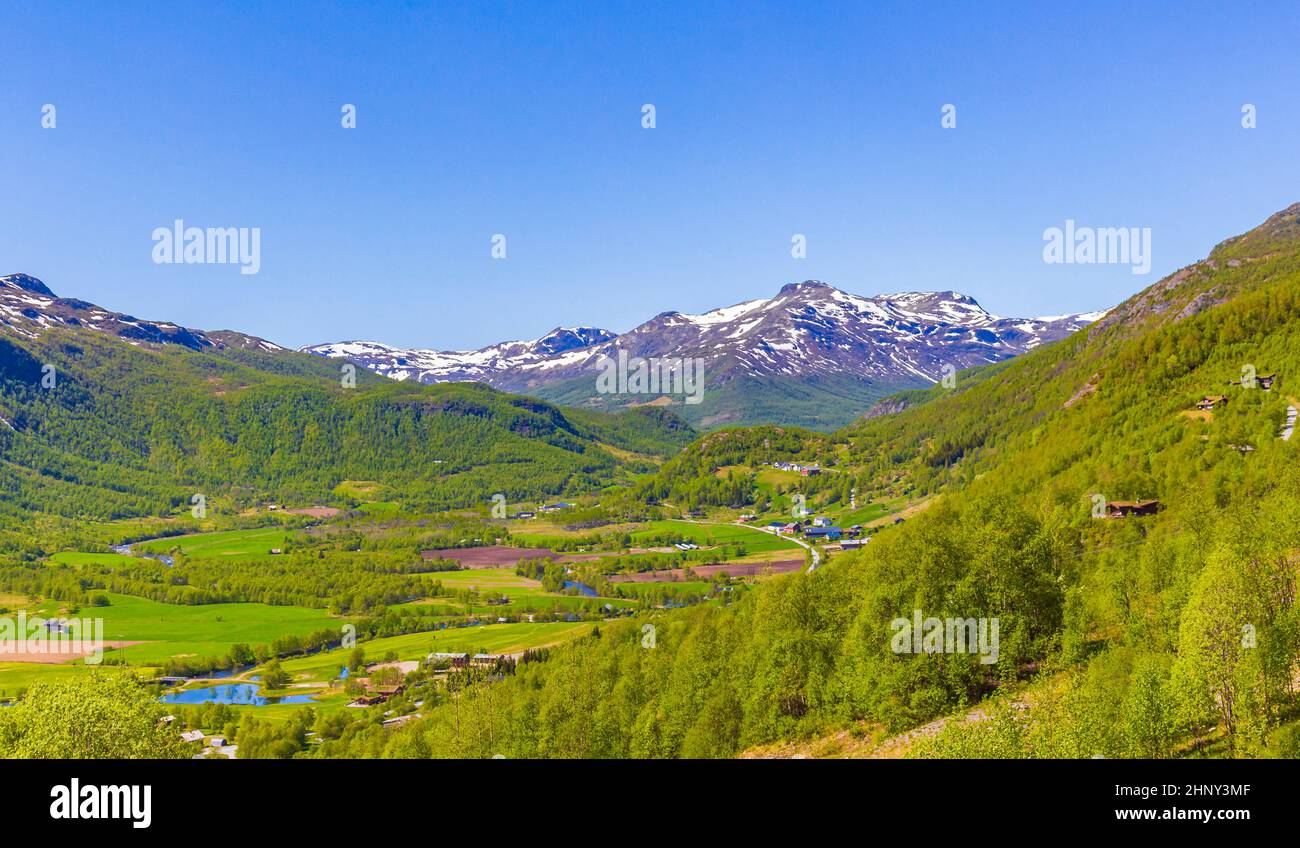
808	333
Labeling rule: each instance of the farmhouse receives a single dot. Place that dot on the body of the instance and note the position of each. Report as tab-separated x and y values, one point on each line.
1128	509
456	660
192	736
1209	402
815	533
1263	381
804	470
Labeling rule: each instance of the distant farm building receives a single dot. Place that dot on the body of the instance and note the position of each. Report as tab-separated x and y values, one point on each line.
804	470
1129	509
1209	402
1263	381
815	533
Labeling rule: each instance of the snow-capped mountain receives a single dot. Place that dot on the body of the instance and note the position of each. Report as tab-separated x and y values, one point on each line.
808	329
812	355
485	365
27	307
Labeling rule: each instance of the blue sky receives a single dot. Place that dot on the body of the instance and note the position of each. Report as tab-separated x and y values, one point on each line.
525	119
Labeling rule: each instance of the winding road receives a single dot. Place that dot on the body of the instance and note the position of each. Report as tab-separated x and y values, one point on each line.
816	554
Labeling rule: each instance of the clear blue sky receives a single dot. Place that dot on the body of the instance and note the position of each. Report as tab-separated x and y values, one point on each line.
525	119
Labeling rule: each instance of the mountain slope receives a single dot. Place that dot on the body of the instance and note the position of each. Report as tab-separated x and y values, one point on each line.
812	355
134	426
28	309
1172	634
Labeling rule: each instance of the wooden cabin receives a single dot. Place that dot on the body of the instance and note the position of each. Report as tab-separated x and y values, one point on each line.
1209	402
1129	509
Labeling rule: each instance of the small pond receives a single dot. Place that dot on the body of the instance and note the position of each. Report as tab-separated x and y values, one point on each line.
243	694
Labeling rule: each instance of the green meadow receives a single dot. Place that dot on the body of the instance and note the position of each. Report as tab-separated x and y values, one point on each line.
228	544
177	630
754	540
81	558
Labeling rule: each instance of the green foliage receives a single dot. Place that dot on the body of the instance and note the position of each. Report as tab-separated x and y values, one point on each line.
134	431
103	715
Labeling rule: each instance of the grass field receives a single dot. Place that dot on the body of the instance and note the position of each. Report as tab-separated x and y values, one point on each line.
228	544
178	630
16	676
863	514
491	638
754	540
380	507
80	558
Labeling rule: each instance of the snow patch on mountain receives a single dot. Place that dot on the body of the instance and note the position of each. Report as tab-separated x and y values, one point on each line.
808	329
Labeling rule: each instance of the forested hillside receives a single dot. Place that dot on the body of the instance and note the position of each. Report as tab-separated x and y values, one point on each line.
94	428
1171	634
